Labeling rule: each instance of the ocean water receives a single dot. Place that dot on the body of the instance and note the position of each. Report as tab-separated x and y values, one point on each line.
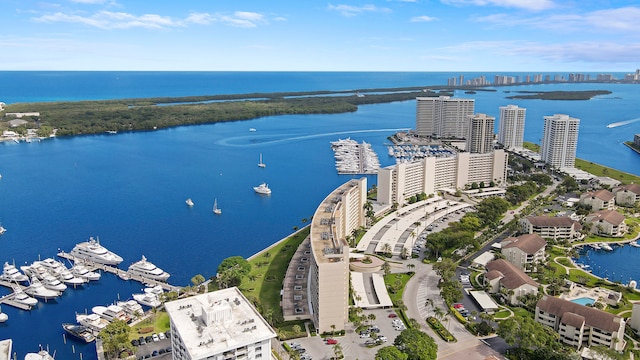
129	189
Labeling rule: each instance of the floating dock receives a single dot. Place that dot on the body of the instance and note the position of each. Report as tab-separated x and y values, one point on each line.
354	158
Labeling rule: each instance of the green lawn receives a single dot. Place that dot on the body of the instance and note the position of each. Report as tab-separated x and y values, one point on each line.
156	323
399	281
599	170
268	268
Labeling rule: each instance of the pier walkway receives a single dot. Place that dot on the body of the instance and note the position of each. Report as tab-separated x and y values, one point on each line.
122	274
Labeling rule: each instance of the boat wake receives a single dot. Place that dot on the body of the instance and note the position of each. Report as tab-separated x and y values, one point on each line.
622	123
242	141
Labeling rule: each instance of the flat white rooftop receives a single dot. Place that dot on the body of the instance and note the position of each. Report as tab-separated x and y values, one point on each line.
218	321
484	300
5	349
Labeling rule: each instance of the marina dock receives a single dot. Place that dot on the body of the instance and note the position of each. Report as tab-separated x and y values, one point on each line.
125	275
354	158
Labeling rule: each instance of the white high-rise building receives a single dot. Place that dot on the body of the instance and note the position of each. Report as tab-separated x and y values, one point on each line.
218	325
480	133
560	141
443	116
511	127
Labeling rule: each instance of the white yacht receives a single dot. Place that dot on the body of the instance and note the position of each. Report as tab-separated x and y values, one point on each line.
147	299
606	247
111	313
131	307
65	275
80	270
216	209
40	355
261	164
36	289
22	298
252	129
2	230
3	317
634	243
52	265
92	321
35	270
11	273
262	189
92	250
148	270
189	202
52	283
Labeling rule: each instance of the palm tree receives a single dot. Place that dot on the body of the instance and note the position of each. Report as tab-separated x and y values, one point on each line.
372	318
428	304
333	329
337	351
411	266
438	313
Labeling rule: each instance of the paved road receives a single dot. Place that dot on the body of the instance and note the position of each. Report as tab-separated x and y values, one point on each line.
425	285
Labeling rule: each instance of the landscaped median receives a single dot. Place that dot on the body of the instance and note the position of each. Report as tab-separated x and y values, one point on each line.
437	326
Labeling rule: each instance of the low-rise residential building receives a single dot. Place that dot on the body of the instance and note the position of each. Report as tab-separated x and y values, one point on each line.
524	251
627	195
505	278
606	223
599	199
580	325
551	227
218	325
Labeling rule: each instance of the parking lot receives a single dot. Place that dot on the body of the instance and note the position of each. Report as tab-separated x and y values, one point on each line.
154	346
353	346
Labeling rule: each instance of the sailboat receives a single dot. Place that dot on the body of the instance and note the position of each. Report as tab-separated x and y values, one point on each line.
261	164
216	210
189	202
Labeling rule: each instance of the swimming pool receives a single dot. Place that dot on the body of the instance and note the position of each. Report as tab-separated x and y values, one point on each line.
584	301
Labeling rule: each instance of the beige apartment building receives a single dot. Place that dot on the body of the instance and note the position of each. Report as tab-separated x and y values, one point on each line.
511	126
524	251
580	325
443	116
551	227
480	133
398	182
599	199
334	219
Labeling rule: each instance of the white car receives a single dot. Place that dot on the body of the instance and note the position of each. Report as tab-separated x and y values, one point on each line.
364	335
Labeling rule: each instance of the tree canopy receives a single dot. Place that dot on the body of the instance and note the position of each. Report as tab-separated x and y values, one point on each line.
417	345
115	339
390	353
231	270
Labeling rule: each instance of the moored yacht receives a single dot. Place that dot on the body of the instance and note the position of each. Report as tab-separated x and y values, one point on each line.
80	270
634	243
92	321
147	299
35	270
22	298
80	332
111	313
131	307
3	317
52	265
262	189
148	270
51	282
40	355
606	247
92	250
67	277
11	273
36	289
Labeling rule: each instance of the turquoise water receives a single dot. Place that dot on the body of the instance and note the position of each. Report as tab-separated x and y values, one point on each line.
586	301
129	189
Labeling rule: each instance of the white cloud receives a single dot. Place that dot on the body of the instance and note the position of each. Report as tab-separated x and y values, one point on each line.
350	11
112	20
534	5
623	20
423	18
121	20
585	51
89	1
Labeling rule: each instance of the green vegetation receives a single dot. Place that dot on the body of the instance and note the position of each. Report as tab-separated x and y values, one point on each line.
93	117
437	326
115	339
395	284
390	353
157	322
600	170
417	345
231	271
559	95
263	283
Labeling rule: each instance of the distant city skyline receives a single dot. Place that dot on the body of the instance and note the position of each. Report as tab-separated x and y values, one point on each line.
377	35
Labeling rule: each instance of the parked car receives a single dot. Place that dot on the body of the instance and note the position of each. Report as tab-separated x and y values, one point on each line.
155	338
161	336
331	341
393	315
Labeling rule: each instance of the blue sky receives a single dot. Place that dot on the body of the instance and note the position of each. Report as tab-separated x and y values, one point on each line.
310	35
